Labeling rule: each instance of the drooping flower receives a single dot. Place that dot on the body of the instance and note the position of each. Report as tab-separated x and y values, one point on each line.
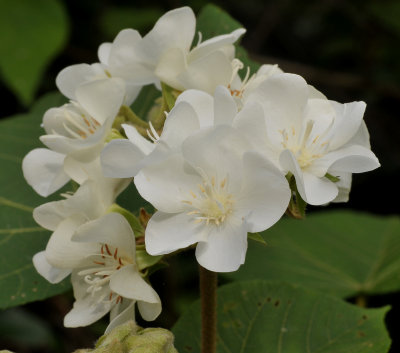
309	136
76	133
98	248
213	194
164	54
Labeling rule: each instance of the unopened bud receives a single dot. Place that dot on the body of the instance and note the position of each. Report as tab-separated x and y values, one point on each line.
130	338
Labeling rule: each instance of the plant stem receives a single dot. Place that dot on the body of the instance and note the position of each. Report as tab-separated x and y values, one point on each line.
208	294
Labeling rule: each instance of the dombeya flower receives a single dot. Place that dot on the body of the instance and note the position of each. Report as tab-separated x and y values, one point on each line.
193	110
164	54
312	138
105	277
213	194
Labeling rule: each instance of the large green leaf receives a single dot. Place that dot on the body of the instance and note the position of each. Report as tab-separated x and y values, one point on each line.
273	317
31	34
338	252
20	236
213	21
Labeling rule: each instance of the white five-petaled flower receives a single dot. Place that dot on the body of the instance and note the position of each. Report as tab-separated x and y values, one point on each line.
164	54
213	194
193	110
76	133
310	136
99	249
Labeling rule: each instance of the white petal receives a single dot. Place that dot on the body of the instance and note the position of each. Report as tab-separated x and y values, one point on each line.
167	183
138	140
202	103
51	273
71	77
149	311
102	99
225	248
349	117
103	52
172	62
112	229
356	159
350	159
166	232
314	190
265	194
125	315
181	122
217	153
121	159
207	73
283	97
175	29
85	312
128	283
319	191
43	170
225	108
61	251
215	43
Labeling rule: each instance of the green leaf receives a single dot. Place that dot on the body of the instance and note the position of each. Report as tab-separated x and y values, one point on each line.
20	236
260	316
31	34
338	252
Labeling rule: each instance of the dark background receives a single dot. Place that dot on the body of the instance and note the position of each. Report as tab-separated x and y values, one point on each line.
349	50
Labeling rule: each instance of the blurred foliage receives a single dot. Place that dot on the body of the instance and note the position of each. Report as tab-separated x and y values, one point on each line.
31	34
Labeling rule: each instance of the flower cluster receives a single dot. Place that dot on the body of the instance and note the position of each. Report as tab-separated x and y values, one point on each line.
224	157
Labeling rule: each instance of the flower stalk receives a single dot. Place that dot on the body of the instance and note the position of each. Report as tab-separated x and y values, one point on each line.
208	294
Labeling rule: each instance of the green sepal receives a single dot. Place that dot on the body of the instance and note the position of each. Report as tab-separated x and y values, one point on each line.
169	95
144	259
332	178
134	222
126	114
297	206
257	237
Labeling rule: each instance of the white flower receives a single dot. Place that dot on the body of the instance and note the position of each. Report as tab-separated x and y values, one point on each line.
212	194
105	276
193	110
309	137
71	77
99	249
80	127
164	54
76	133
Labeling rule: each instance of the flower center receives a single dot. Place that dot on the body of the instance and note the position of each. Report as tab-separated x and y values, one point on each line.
78	124
304	145
105	264
210	202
